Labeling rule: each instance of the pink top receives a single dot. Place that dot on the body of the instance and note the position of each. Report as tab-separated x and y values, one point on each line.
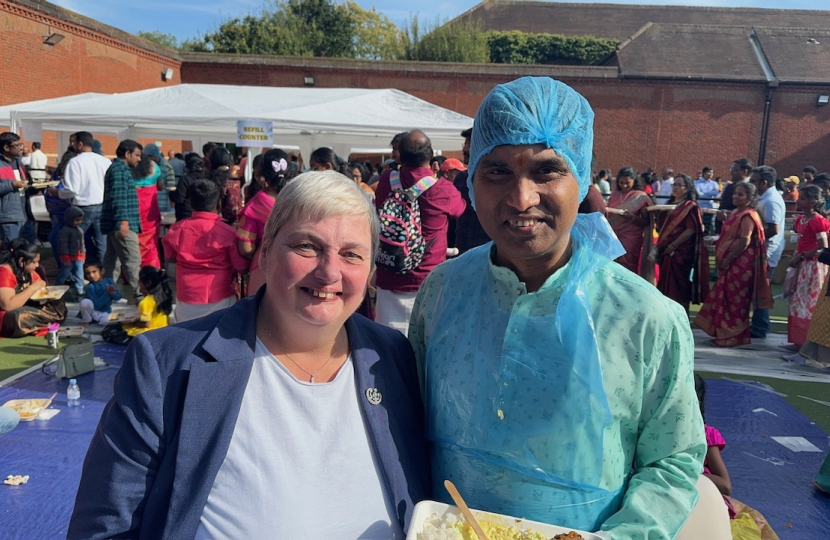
808	230
250	229
713	438
439	203
204	248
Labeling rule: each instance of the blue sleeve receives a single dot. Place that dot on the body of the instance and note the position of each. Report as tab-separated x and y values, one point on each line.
6	186
107	282
124	456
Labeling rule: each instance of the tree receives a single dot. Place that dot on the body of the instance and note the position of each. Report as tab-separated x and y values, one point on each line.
458	42
160	38
375	36
328	28
292	27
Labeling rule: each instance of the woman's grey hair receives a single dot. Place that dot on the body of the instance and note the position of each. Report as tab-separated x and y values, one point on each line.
319	195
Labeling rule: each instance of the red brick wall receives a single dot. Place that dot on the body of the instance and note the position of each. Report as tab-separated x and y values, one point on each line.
642	123
85	61
799	130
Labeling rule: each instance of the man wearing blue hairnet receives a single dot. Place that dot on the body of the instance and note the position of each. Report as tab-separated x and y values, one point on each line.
558	385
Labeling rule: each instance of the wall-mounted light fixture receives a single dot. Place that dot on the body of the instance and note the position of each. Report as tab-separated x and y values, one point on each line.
53	39
823	99
167	74
308	80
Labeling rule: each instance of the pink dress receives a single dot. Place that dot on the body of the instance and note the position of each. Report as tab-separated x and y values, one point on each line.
714	438
250	229
810	277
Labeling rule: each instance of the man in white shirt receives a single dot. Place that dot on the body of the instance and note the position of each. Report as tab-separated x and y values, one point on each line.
707	189
37	165
662	196
772	209
84	182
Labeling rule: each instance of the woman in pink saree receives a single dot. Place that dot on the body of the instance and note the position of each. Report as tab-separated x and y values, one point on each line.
632	223
148	182
274	169
743	273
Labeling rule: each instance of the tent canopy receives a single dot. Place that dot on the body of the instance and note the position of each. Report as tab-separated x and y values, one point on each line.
341	118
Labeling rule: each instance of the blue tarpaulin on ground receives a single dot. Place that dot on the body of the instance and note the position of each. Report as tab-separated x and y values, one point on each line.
765	474
50	451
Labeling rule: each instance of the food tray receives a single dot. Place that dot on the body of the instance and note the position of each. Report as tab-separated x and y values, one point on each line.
124	316
70	331
425	509
41	185
51	292
28	409
661	207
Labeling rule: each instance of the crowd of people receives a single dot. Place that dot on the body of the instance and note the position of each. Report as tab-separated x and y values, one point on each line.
510	263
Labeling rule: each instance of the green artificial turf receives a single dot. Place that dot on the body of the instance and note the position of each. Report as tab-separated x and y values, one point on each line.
17	354
817	412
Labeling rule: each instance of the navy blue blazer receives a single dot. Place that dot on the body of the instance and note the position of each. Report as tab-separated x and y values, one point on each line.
162	438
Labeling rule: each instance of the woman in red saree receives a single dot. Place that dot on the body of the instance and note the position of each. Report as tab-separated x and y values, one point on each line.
633	223
148	183
684	260
743	273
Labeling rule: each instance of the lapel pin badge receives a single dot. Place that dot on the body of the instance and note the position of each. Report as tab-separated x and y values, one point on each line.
374	396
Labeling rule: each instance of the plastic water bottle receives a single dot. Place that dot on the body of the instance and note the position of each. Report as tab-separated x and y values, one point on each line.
73	393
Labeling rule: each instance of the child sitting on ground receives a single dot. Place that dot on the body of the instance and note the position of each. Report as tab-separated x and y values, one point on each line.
100	293
152	310
713	466
71	250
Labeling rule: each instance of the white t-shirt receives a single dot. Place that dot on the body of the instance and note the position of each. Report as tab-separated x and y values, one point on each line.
37	166
84	179
664	194
300	464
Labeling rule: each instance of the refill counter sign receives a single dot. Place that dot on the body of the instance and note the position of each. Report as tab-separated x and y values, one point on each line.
254	133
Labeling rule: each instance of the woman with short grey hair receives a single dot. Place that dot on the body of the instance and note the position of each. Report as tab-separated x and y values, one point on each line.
255	421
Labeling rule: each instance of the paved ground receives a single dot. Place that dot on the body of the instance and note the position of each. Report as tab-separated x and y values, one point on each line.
762	358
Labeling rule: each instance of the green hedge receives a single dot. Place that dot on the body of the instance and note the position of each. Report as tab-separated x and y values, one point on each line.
516	47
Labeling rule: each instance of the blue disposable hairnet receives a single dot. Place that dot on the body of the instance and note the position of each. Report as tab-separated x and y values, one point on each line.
536	110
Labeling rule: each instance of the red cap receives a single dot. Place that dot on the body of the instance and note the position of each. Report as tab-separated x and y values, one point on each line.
453	164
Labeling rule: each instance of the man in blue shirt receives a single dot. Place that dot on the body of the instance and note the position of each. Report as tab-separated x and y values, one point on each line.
558	385
707	189
772	209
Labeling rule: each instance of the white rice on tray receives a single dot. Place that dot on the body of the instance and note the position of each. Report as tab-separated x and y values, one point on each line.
454	527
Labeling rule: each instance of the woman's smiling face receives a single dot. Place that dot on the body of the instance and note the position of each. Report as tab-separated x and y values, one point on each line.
317	270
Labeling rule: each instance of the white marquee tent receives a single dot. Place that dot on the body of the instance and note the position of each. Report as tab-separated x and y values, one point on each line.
344	119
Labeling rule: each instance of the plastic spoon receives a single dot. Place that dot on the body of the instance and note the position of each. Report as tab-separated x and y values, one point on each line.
465	510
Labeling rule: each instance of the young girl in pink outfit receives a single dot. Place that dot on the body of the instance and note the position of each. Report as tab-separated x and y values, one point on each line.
713	466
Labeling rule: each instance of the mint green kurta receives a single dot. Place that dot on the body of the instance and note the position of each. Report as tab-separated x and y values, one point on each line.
646	355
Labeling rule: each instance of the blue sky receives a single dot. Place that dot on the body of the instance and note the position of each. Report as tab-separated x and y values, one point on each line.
189	18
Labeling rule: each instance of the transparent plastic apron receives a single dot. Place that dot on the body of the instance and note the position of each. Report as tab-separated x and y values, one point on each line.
515	399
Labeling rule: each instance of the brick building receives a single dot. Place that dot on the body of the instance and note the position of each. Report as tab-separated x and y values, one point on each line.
90	57
688	86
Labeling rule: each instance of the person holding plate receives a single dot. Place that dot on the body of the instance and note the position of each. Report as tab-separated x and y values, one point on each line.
20	315
558	385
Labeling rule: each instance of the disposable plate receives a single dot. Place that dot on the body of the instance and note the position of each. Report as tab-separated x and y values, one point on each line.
424	509
28	409
52	292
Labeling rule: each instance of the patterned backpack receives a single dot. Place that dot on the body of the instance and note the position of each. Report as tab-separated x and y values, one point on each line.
402	244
